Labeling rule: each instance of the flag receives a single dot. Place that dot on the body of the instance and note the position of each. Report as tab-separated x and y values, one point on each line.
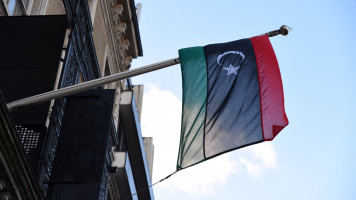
232	98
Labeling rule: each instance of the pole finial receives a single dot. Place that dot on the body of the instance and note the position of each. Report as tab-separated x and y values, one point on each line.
284	30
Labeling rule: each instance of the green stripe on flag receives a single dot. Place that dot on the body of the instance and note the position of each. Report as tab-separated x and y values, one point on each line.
194	79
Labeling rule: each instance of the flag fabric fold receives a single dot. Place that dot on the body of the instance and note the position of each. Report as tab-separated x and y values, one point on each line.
232	98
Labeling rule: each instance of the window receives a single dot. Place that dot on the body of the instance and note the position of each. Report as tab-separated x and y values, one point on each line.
18	7
107	72
11	6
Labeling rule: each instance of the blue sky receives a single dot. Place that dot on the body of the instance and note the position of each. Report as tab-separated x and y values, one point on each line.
314	157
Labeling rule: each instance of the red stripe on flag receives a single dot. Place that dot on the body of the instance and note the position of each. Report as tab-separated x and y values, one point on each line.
273	115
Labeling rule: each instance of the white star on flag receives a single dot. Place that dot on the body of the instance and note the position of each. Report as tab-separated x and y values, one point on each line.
231	70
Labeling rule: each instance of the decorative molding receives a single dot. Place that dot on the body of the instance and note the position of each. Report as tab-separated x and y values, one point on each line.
126	62
120	29
117	11
110	25
124	46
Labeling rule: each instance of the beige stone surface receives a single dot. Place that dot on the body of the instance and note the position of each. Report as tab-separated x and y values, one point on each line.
100	37
55	7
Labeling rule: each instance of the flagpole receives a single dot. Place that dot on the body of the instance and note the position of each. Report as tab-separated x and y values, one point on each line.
283	30
40	98
62	92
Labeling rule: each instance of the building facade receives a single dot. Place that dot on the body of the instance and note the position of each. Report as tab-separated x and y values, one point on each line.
71	144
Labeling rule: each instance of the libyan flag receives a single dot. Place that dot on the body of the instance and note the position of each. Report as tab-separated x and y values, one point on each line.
232	98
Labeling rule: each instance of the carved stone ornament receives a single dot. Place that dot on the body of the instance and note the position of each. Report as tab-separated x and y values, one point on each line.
120	29
124	46
117	12
126	62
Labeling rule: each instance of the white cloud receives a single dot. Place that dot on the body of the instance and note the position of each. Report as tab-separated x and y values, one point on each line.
263	156
253	169
161	119
205	178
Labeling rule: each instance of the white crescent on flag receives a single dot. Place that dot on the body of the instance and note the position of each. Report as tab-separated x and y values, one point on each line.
229	52
231	69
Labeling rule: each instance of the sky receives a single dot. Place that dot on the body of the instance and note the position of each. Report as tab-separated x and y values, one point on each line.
314	157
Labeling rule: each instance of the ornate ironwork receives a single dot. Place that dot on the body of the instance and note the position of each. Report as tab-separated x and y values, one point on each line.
31	137
80	60
113	141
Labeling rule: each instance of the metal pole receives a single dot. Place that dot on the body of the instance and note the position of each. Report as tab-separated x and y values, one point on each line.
283	30
14	105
